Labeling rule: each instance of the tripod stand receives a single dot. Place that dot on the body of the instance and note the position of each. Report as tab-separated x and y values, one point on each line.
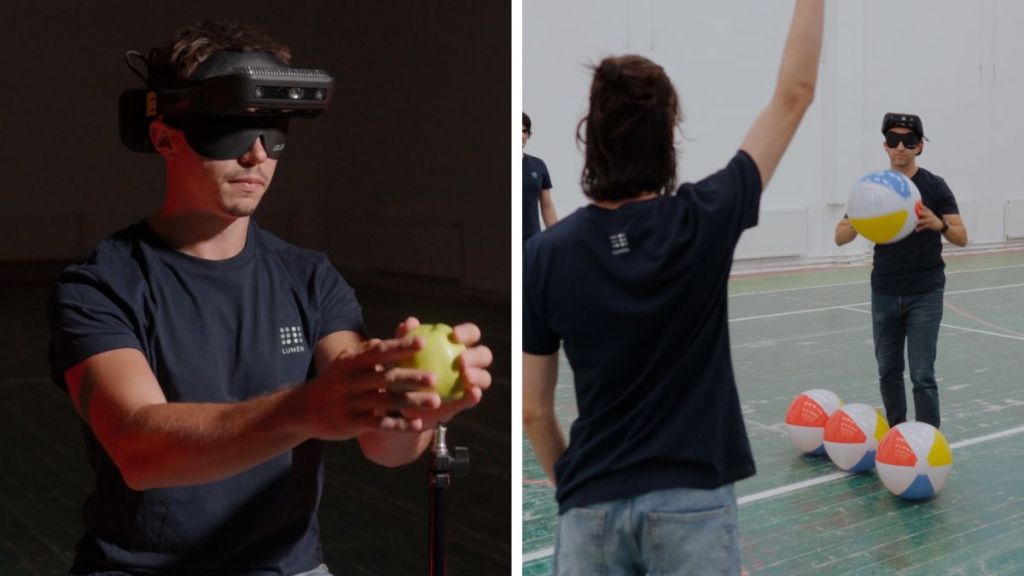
444	466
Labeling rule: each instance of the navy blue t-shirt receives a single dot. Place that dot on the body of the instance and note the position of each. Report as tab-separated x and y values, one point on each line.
535	179
637	296
212	331
914	265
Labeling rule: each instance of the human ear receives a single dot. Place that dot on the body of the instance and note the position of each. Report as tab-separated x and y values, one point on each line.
160	135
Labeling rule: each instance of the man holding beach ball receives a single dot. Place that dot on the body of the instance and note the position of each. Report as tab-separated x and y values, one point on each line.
908	276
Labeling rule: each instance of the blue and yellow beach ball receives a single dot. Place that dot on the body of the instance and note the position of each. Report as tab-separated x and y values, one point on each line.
884	206
913	460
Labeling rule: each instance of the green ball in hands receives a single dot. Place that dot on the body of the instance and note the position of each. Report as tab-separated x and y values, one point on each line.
439	355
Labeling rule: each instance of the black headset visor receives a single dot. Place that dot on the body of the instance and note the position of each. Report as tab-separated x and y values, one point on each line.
230	137
233	99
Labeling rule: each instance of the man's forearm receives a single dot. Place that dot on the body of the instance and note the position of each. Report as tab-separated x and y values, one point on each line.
549	216
177	444
547	440
547	208
957	234
798	72
844	232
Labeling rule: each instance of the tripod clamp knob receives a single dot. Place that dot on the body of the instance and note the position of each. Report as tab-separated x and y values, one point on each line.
445	464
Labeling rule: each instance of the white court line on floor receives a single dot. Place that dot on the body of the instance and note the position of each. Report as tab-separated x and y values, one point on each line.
538	554
955	327
860	328
838	284
848	306
796	288
804	311
789	488
837	475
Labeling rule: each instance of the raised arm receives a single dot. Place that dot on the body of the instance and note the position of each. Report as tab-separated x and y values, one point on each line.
774	127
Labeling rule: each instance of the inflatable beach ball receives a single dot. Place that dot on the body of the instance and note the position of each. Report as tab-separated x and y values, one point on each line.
913	460
806	419
852	436
884	206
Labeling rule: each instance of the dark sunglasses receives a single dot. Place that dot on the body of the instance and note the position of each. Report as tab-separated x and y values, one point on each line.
909	140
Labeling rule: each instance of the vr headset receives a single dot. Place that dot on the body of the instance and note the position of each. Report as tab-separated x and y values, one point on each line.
911	122
232	99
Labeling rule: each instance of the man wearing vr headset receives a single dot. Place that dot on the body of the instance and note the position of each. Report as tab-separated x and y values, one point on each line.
908	279
207	358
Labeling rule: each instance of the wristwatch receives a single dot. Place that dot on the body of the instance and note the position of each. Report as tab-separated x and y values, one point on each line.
945	226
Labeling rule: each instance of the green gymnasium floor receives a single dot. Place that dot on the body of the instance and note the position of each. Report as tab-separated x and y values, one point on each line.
800	515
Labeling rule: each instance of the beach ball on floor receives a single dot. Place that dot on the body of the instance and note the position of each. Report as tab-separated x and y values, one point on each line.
806	419
913	460
884	206
852	436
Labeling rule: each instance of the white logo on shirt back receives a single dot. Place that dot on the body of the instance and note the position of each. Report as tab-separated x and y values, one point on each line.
620	244
534	174
291	340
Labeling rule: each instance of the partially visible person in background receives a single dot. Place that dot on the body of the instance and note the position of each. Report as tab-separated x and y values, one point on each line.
536	189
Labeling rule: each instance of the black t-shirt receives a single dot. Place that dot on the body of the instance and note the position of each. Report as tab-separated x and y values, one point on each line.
637	296
914	265
535	179
212	331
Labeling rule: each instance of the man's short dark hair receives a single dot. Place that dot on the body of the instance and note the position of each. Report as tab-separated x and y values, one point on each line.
527	124
173	62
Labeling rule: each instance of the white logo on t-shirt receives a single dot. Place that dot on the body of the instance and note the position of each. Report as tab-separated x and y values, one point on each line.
534	174
620	244
291	340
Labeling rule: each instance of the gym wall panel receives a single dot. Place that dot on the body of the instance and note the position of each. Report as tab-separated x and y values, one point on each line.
1013	219
778	233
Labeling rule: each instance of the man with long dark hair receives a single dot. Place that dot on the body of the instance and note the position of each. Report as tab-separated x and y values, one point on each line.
634	287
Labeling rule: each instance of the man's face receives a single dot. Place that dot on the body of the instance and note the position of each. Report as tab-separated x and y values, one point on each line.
526	135
231	188
896	146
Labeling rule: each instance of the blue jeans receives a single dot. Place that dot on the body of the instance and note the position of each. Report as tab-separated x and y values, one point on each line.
663	533
915	320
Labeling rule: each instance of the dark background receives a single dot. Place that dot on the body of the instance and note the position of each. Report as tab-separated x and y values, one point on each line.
404	183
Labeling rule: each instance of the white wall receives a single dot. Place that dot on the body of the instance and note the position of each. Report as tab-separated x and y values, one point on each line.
958	64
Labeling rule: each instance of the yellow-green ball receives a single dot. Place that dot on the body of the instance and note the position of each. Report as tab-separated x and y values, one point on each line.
439	355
